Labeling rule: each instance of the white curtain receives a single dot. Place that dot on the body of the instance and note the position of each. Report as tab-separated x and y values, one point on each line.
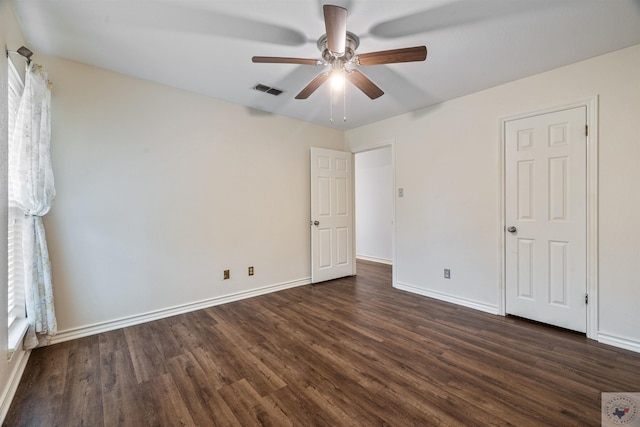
35	191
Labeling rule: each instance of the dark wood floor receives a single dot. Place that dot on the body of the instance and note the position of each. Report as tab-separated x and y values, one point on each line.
348	352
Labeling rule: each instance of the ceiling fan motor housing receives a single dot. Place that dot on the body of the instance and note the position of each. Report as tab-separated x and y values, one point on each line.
351	44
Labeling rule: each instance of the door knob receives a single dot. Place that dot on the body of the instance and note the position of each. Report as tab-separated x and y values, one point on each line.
316	222
512	229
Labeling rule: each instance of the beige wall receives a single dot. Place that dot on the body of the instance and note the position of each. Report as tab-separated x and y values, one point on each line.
160	190
447	160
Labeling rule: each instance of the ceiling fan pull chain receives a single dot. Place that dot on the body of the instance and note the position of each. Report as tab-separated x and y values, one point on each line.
344	102
330	103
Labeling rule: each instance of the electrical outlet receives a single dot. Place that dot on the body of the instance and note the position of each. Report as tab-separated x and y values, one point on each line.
400	192
251	271
227	274
447	273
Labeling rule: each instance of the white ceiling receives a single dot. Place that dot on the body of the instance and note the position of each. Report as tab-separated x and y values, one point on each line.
206	46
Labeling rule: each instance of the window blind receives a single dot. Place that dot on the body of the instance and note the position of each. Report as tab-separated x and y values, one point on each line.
16	299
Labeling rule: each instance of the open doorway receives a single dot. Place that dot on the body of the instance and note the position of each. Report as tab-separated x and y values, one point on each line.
374	198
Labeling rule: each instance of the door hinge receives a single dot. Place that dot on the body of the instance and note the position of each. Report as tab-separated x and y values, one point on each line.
586	298
586	130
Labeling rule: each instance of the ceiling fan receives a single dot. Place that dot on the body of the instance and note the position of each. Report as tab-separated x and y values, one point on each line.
338	50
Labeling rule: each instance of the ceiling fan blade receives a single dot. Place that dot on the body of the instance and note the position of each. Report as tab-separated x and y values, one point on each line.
335	21
311	87
283	60
181	18
454	14
363	83
409	54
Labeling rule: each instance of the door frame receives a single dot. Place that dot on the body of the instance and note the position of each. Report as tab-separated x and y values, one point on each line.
369	147
591	104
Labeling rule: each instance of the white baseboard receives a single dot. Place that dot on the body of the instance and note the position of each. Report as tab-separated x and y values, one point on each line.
22	357
374	259
447	298
137	319
620	342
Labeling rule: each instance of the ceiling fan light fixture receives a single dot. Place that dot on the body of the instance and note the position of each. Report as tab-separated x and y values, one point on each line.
337	78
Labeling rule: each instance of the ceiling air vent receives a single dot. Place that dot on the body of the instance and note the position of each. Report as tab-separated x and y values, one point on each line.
268	89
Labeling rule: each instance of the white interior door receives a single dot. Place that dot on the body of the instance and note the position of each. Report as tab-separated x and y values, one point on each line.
332	250
545	213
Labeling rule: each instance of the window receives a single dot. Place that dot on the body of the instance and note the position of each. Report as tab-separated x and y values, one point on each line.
16	304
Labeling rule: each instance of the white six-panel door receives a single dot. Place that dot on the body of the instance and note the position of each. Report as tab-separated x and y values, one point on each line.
545	214
332	251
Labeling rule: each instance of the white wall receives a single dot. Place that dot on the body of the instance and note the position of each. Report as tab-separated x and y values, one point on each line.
10	369
447	160
374	204
160	190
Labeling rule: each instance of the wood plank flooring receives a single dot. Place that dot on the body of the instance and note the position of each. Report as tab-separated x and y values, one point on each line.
351	352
